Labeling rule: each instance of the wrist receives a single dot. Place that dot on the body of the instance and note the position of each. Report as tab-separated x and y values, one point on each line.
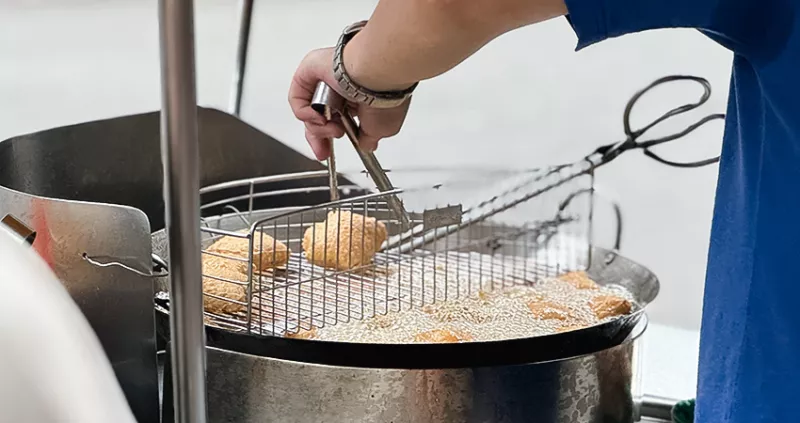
364	68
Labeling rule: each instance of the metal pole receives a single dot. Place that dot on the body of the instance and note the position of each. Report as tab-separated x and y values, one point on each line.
241	56
181	161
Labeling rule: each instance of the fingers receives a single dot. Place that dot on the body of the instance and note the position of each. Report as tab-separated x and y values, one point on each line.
329	130
375	124
319	137
319	145
313	68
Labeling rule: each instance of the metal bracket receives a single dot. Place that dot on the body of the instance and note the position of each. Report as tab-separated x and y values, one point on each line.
19	230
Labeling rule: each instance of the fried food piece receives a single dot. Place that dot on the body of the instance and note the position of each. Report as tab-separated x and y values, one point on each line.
579	279
227	269
609	305
268	253
344	240
442	336
303	334
548	310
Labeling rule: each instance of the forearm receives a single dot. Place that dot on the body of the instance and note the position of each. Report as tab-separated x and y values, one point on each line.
407	41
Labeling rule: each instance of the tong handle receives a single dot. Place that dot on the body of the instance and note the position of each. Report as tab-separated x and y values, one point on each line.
632	141
328	103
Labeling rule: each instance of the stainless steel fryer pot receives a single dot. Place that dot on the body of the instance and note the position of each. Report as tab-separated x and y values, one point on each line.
561	378
249	385
599	387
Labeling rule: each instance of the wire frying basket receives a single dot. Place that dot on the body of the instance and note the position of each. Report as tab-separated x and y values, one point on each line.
282	270
349	259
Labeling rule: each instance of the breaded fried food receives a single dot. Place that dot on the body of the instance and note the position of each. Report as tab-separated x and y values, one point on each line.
579	279
344	241
609	305
303	334
442	336
225	269
268	253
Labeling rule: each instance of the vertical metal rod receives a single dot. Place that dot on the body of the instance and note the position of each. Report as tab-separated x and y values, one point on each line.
333	177
245	19
181	160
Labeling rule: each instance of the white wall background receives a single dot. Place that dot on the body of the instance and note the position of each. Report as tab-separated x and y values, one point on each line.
526	100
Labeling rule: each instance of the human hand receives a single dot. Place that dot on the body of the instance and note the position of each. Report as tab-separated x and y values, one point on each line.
375	123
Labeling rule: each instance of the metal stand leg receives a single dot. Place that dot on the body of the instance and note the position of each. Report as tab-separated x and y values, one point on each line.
181	161
241	56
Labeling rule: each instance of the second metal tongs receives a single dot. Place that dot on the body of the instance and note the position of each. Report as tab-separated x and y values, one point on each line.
328	103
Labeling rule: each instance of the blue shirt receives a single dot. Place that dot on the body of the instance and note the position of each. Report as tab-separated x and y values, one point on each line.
750	337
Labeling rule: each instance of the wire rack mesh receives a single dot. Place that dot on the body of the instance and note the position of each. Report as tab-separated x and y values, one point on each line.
304	267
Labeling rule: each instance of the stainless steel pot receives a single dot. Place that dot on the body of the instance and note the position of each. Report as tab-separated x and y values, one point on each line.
258	379
598	387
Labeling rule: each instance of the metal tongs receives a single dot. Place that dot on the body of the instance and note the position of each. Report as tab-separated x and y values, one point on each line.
329	104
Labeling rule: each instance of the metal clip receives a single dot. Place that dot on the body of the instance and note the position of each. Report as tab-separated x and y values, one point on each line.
18	230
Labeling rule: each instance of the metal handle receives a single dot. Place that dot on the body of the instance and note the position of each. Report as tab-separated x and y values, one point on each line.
657	407
180	154
246	19
19	230
609	152
329	104
614	204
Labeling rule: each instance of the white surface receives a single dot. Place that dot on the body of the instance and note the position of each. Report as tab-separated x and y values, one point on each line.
526	100
52	365
669	362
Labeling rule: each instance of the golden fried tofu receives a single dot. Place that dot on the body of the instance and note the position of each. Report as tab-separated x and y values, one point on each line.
548	310
344	240
303	334
609	305
226	269
442	336
579	279
268	253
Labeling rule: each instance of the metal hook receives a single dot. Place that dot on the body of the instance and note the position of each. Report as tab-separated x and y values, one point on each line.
614	204
160	268
238	214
